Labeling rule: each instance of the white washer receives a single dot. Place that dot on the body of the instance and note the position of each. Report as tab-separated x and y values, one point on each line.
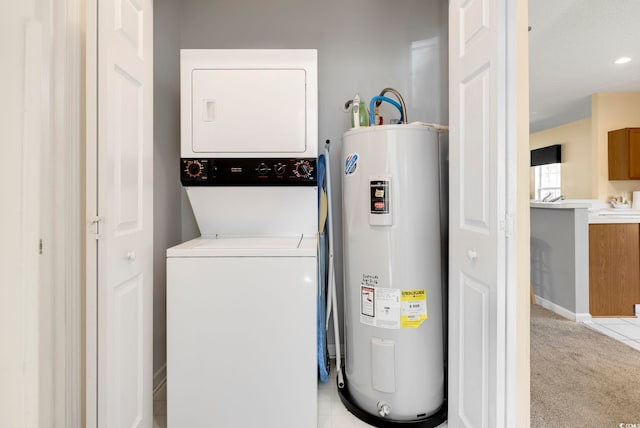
241	319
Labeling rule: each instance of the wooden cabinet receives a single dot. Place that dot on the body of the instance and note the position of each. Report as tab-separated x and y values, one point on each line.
624	154
614	269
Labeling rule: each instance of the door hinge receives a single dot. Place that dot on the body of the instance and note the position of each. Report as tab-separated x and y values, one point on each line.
40	246
95	226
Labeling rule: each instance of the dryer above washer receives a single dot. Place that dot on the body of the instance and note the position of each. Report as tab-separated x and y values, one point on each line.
248	103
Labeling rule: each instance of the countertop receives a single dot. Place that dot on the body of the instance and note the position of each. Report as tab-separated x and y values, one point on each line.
600	215
613	216
562	205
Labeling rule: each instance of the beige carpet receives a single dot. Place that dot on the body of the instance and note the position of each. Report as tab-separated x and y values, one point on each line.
579	377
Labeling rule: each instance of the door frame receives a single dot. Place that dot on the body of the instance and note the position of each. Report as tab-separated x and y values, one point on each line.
91	212
517	250
60	301
515	394
67	249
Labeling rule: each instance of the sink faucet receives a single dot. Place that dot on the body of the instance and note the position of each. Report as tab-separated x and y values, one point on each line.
557	198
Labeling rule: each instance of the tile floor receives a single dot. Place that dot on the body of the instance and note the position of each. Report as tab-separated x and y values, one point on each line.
332	414
331	411
625	330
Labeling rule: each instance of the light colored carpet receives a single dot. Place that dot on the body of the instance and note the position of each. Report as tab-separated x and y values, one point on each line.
580	377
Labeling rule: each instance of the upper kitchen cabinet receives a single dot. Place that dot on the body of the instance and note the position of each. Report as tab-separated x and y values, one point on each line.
624	154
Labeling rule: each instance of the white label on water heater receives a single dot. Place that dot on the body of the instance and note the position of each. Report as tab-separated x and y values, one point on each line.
380	307
380	201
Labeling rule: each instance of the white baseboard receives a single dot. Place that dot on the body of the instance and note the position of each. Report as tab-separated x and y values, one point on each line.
159	378
563	312
583	317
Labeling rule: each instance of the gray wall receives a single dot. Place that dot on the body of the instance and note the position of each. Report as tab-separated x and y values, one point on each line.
560	257
166	133
363	47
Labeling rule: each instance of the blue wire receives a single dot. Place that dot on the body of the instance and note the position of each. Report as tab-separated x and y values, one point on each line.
381	98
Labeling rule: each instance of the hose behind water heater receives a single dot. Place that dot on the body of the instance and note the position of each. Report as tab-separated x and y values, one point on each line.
332	300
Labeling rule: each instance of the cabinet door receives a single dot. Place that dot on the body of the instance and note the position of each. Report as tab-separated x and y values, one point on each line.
634	153
618	155
614	269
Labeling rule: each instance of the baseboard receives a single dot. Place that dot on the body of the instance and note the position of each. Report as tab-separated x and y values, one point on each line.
159	378
564	312
583	317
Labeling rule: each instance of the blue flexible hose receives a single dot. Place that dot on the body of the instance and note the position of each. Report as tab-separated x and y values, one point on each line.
381	98
323	368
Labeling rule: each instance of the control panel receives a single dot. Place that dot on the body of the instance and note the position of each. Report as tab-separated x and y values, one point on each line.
248	172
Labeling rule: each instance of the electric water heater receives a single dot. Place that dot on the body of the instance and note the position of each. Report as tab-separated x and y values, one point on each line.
392	270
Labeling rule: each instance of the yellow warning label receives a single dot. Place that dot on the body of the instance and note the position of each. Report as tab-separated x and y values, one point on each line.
413	308
413	295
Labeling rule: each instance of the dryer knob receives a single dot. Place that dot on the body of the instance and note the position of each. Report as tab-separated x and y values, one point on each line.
194	169
280	168
262	169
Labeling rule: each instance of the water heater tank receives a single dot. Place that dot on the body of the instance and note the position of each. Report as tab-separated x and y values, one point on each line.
392	262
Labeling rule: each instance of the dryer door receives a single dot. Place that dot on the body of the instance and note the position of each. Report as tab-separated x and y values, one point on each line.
233	111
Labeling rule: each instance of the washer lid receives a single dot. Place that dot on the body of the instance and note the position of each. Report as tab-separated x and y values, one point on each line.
246	246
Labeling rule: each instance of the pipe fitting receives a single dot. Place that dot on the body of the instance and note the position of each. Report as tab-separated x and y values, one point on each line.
399	97
383	409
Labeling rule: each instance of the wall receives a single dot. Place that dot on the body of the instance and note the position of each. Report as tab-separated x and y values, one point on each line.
610	111
24	115
166	129
363	47
560	258
575	138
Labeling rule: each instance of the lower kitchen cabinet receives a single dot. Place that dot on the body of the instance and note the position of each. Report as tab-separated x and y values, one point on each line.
614	269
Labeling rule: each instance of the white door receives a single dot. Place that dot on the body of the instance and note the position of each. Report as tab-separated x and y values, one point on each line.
478	194
125	203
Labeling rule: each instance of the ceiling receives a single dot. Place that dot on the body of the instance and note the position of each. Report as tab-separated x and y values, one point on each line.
572	48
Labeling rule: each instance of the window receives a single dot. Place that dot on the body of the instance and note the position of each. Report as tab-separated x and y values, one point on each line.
547	181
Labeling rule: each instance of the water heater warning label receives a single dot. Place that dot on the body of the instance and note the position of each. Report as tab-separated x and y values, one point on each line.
368	307
380	307
392	308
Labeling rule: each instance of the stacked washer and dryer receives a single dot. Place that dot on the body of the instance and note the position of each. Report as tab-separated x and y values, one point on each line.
241	298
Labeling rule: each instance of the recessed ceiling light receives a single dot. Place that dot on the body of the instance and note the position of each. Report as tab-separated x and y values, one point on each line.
622	60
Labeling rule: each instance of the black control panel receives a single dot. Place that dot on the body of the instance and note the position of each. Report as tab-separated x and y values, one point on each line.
248	172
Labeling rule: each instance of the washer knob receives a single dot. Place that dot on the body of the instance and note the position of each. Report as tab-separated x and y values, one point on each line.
302	169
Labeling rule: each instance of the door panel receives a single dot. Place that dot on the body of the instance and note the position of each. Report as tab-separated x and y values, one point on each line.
475	152
128	147
477	212
128	338
125	201
474	347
